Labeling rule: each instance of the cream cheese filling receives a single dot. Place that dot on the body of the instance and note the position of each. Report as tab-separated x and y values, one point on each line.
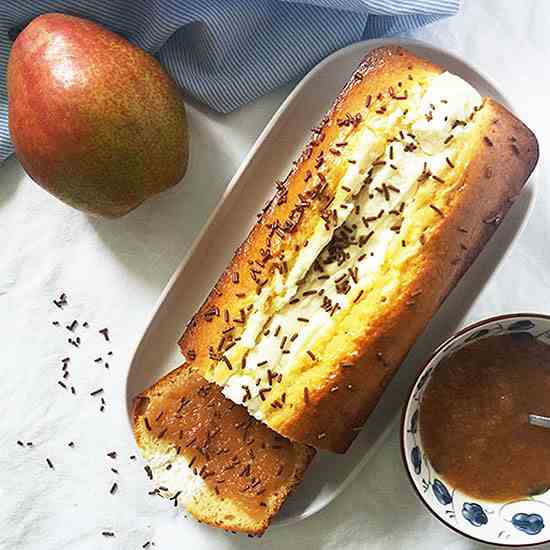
291	311
173	476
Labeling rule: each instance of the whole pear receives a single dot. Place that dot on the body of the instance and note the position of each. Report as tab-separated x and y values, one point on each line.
94	120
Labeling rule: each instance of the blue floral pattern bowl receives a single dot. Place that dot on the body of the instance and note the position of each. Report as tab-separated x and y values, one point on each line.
523	522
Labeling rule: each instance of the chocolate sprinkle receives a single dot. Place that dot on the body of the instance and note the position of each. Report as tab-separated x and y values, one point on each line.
438	210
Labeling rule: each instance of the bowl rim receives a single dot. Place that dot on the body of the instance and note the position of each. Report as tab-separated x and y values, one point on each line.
468	328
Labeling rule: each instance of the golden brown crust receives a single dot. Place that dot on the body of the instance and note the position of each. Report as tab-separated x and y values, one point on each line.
375	334
504	165
187	421
382	66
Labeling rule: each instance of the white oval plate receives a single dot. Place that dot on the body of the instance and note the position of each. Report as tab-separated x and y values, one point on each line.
269	159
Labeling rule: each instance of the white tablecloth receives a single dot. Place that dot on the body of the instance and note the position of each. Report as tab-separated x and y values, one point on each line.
113	272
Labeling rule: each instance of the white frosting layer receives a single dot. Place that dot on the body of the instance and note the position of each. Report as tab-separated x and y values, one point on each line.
447	100
178	479
394	179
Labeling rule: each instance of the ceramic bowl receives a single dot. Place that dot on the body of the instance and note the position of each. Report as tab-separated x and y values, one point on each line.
522	522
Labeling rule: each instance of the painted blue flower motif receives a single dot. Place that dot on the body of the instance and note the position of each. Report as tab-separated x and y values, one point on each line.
474	514
522	336
441	493
531	524
523	324
477	334
414	422
416	459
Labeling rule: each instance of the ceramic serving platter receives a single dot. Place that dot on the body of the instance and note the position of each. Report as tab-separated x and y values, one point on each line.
270	159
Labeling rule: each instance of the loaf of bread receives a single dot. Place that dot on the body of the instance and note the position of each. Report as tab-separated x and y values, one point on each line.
402	184
211	457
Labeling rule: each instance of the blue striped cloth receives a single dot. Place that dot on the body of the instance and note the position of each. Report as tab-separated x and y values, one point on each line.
227	52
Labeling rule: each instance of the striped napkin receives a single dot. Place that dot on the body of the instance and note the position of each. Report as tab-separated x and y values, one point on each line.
226	53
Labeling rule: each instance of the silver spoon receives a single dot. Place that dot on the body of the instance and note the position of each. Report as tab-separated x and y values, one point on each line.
538	420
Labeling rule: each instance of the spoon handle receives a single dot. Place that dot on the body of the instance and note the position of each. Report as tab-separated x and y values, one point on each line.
538	420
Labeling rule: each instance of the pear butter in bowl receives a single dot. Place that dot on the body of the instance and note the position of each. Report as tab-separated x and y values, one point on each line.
468	446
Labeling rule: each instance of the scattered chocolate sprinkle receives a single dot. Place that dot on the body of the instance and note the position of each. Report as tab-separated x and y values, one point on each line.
62	384
448	160
448	139
72	326
73	391
61	301
227	362
20	443
105	333
96	392
310	353
438	210
148	471
113	488
488	141
392	187
71	444
107	533
50	463
262	392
